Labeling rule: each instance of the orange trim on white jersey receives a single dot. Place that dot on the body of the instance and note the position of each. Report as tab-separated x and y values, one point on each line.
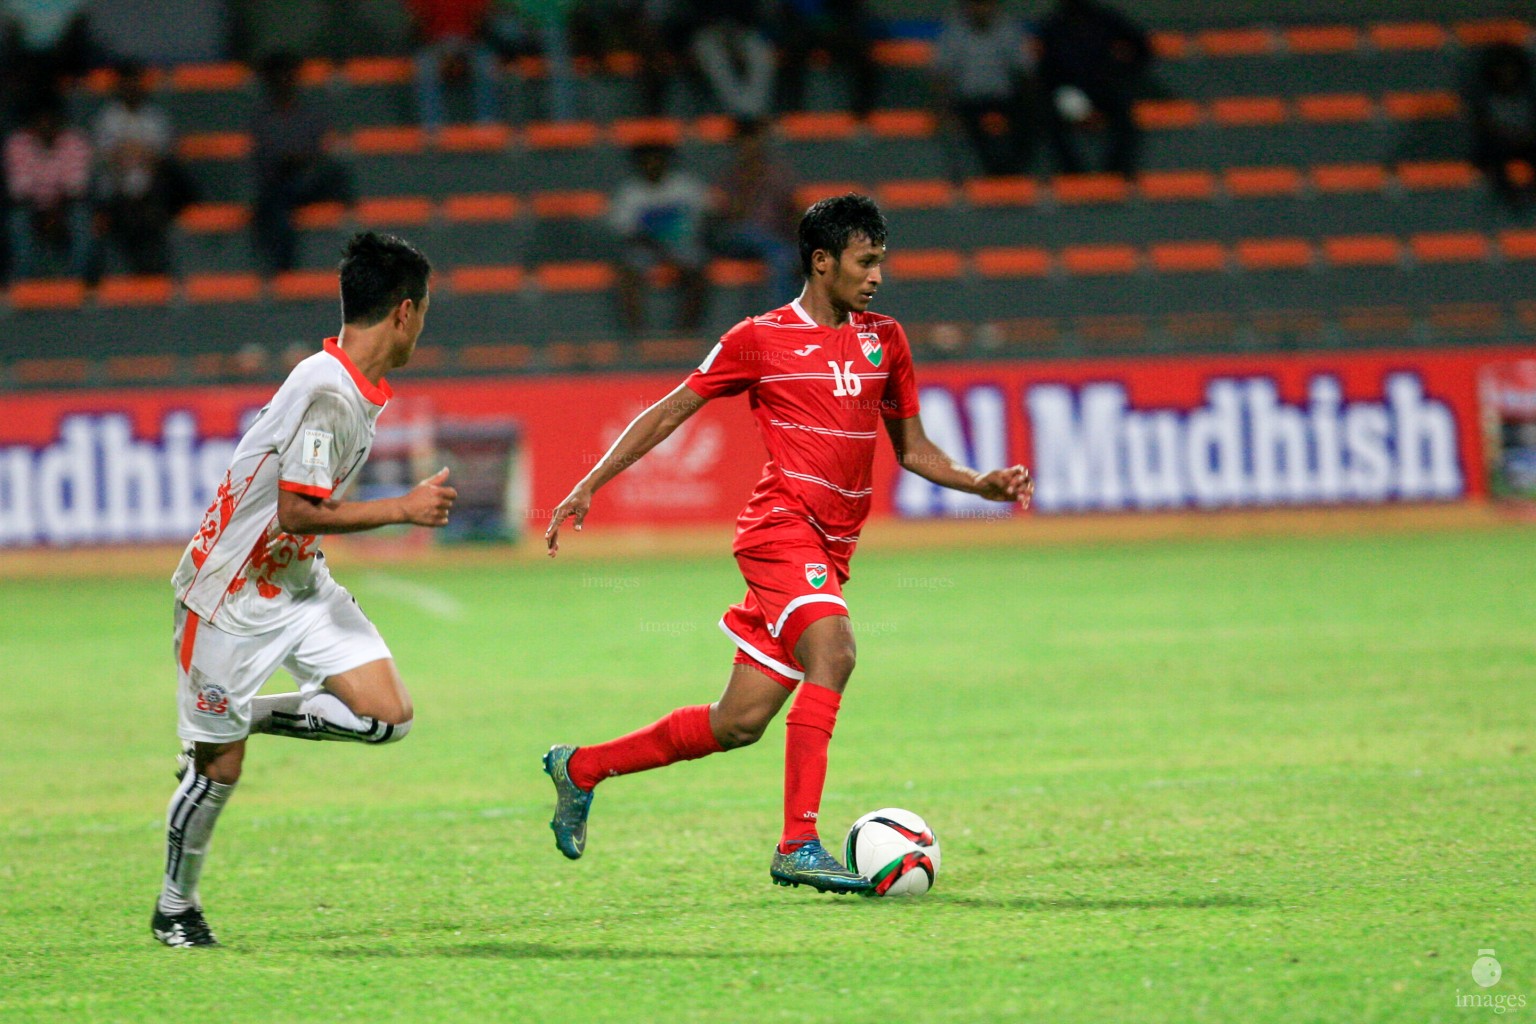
188	638
305	489
377	394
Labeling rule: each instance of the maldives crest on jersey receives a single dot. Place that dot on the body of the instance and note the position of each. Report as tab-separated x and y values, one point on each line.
869	341
816	574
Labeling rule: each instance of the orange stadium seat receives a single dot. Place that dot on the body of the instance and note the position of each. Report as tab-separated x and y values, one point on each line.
1107	258
140	368
1349	177
478	208
1242	111
298	285
495	357
1333	108
904	53
575	276
221	288
805	195
1362	250
1421	106
1170	45
623	63
50	371
1080	189
1437	174
473	138
925	264
529	66
316	71
1168	114
1408	35
1172	186
390	211
818	126
47	293
903	124
1322	39
1254	182
213	218
716	128
736	273
924	194
1005	191
1236	42
1479	318
1188	257
207	77
1449	247
214	146
671	350
388	140
578	204
1492	31
378	71
320	216
1274	253
1013	261
637	131
135	291
481	280
1518	244
561	135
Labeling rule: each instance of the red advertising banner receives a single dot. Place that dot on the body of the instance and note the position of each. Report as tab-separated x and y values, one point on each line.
84	467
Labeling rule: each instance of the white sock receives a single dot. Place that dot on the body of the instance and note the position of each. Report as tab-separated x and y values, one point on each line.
189	821
325	717
262	709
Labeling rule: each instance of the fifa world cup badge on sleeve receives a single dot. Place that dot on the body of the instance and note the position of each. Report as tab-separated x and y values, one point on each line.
317	448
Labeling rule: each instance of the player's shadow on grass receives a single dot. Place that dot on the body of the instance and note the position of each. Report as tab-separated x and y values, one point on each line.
1214	901
537	951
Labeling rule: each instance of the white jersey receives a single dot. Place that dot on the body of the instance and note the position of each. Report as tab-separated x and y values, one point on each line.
241	572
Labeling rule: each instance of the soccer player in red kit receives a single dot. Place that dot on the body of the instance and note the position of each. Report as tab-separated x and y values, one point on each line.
821	374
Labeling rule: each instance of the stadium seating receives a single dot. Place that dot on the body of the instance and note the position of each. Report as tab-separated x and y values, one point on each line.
1302	184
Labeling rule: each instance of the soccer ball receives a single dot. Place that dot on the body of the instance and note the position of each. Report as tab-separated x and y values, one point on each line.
896	850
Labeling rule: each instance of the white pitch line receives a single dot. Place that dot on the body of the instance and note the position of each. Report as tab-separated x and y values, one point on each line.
437	603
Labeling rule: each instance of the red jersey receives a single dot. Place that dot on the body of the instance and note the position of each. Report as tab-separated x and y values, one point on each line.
819	396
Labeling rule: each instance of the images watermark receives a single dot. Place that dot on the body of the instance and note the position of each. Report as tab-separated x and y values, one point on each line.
1487	972
611	582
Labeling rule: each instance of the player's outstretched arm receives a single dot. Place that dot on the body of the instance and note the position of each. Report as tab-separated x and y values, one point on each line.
645	432
426	504
915	452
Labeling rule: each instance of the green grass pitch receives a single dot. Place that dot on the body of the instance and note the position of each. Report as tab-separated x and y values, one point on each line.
1247	780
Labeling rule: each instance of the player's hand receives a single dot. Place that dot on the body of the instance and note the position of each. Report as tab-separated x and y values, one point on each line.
1011	484
428	502
578	503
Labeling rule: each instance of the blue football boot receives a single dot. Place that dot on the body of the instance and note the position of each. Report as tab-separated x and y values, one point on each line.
572	803
812	865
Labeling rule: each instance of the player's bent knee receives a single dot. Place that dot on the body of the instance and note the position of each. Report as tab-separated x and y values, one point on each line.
389	732
742	734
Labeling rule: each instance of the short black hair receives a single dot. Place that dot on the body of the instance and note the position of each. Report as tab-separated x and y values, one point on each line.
378	272
830	223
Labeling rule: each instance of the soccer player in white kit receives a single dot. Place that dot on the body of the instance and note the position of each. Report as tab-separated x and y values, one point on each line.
253	592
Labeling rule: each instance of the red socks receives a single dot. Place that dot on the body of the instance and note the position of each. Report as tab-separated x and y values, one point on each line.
681	736
807	732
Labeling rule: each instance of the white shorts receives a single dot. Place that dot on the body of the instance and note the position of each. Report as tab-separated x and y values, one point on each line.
218	673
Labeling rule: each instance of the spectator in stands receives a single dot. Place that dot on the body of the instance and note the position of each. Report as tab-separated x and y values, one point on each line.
841	28
1091	52
452	33
48	175
658	214
753	211
48	39
737	60
293	166
140	188
1502	99
550	22
982	73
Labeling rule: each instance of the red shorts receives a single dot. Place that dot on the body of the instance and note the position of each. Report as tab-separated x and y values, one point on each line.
790	584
